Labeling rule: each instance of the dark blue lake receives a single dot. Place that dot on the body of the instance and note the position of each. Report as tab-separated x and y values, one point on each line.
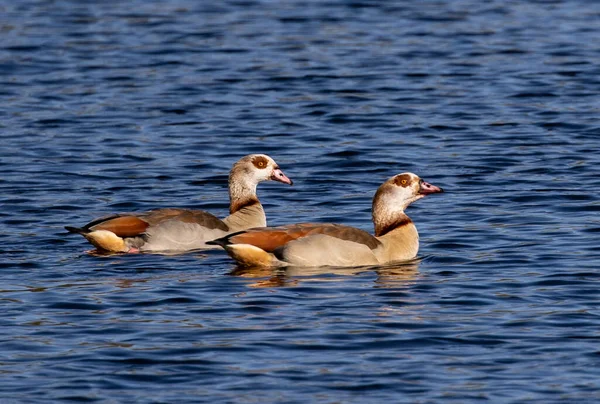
126	106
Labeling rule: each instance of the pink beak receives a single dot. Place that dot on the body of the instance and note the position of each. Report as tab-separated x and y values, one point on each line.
278	175
427	188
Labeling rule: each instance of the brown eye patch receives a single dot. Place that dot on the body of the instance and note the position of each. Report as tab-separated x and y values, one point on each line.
260	162
403	180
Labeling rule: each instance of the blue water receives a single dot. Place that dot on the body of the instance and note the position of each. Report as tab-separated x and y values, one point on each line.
126	106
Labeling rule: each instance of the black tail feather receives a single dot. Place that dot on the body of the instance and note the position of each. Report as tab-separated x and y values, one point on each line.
77	230
220	241
224	241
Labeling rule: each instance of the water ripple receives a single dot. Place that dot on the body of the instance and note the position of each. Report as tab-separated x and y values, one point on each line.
133	106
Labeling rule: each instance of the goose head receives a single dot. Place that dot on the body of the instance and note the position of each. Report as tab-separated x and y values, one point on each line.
255	168
394	196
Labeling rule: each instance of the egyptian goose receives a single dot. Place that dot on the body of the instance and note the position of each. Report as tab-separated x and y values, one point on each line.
313	244
183	229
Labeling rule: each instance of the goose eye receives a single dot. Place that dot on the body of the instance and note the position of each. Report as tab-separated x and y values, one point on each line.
402	180
260	162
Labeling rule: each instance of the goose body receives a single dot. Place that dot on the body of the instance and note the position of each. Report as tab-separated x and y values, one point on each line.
313	244
179	230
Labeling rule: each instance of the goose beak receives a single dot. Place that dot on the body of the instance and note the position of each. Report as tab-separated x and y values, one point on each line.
278	175
426	189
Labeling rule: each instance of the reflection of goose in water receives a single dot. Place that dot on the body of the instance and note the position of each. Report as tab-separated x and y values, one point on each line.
313	244
179	230
387	275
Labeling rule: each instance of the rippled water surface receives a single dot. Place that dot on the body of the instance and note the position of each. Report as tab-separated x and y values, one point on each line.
126	106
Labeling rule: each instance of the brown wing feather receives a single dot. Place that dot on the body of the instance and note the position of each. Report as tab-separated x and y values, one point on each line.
122	226
131	225
200	217
270	238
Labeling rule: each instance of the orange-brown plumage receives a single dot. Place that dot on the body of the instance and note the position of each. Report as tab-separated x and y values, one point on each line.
270	238
122	226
